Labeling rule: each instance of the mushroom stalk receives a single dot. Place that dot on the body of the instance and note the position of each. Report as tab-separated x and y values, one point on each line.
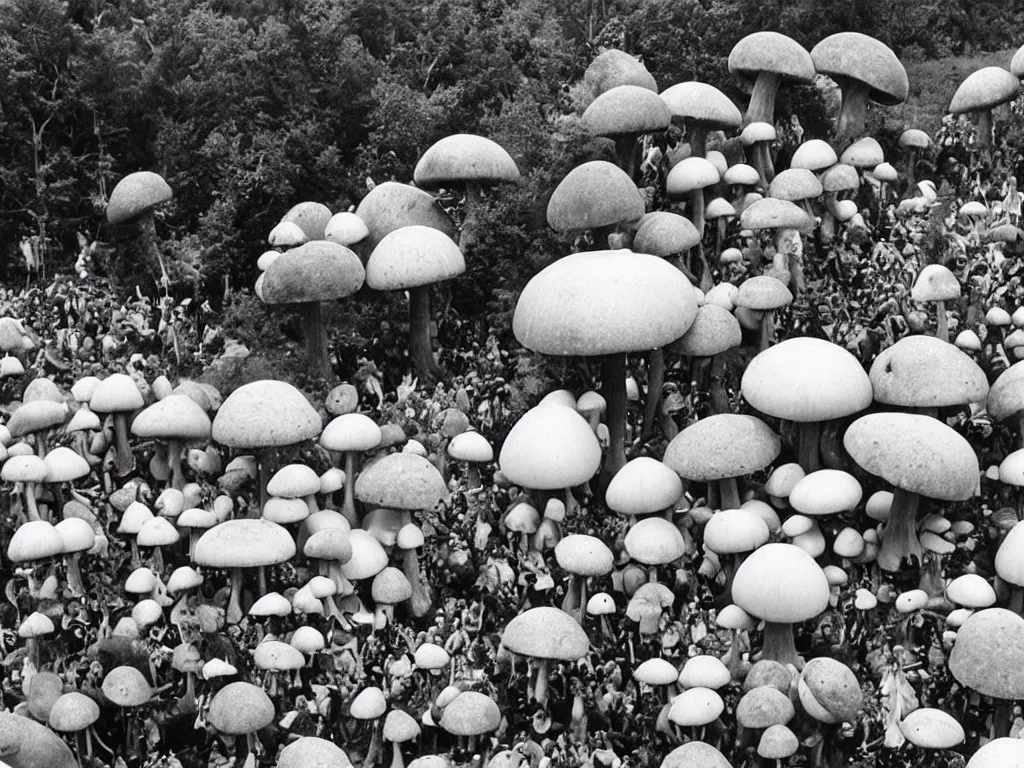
265	475
985	135
761	108
697	136
422	599
471	219
655	381
1002	718
315	334
613	384
767	330
779	644
396	756
941	323
625	153
234	613
420	348
852	114
349	507
124	461
31	510
174	460
809	441
540	687
74	575
899	539
730	493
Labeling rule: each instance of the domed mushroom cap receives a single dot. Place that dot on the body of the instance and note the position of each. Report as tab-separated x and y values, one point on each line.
116	394
464	157
345	228
26	743
972	591
773	213
550	447
656	671
265	414
763	707
625	110
829	691
806	379
471	447
584	555
368	556
240	708
662	233
1006	397
643	486
546	633
612	68
391	205
471	713
274	655
311	217
400	726
34	540
696	707
826	492
350	432
932	728
795	184
935	283
244	543
694	101
24	469
174	417
413	256
780	583
401	481
983	89
926	372
863	153
916	453
854	56
126	686
999	753
814	155
36	416
988	655
695	754
594	194
312	752
763	292
1017	63
840	178
691	174
294	481
136	194
72	712
720	446
715	329
1009	561
770	52
704	672
654	541
320	270
730	531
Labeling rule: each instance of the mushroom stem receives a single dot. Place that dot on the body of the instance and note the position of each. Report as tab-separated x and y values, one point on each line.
761	108
655	381
349	507
613	384
422	600
234	613
420	349
315	334
396	756
809	441
779	644
1016	601
124	461
697	136
697	211
265	475
74	575
767	330
852	114
29	490
985	135
911	171
1002	718
715	367
540	688
941	324
174	460
471	218
899	539
730	493
625	153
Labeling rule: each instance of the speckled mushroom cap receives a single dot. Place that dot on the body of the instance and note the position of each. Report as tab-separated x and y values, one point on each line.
174	417
721	446
662	233
391	205
400	726
863	154
464	157
695	754
265	414
27	744
806	379
320	270
36	416
795	184
604	302
915	138
840	178
926	372
550	447
763	707
471	713
931	728
594	194
773	213
312	752
401	481
240	708
694	101
829	691
770	52
984	89
715	330
935	283
643	486
413	256
546	633
916	453
855	56
243	543
1004	752
614	67
763	292
136	194
625	110
780	583
988	655
311	217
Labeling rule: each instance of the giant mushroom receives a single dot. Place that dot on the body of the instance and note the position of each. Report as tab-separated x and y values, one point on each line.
762	61
596	196
132	202
983	91
623	114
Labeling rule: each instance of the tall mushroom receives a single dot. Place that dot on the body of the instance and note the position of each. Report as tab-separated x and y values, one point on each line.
983	91
702	108
132	202
623	114
118	396
596	196
936	283
545	634
176	420
762	60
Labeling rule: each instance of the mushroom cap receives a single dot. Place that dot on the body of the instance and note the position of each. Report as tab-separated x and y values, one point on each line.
704	671
294	481
472	447
773	213
643	486
770	52
350	432
626	110
696	707
780	583
265	414
863	153
368	556
320	270
826	492
175	417
662	233
546	633
126	686
401	481
312	752
471	713
693	173
795	184
763	707
777	743
715	329
346	228
390	587
76	533
854	56
464	157
984	89
584	555
311	217
935	283
116	394
914	138
720	446
1006	397
927	372
756	132
614	67
763	292
243	543
73	711
1009	561
157	532
841	177
695	754
806	379
276	656
916	453
286	234
26	743
1003	752
604	302
549	448
654	541
400	726
829	691
694	101
594	194
656	671
972	591
730	531
34	540
24	469
391	205
36	416
885	172
136	194
742	174
815	155
240	708
412	256
988	655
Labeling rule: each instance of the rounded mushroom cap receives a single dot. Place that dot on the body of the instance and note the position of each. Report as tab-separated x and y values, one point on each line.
972	591
780	583
654	541
265	414
773	213
294	481
391	205
472	447
763	707
464	157
704	672
401	481
841	177
854	56
914	138
76	533
720	446
320	270
276	656
656	671
829	691
594	194
1003	752
400	726
471	713
584	555
696	707
244	543
24	469
116	394
72	712
1009	560
916	453
368	556
935	283
36	416
311	217
643	486
695	754
625	110
369	704
612	68
863	153
795	184
806	379
34	540
1006	397
662	233
777	743
390	587
174	417
988	655
546	633
826	492
136	194
885	172
312	752
412	256
694	101
346	228
604	302
756	132
770	52
763	292
715	329
814	155
984	89
29	744
157	532
691	174
350	432
240	708
927	372
126	686
730	531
